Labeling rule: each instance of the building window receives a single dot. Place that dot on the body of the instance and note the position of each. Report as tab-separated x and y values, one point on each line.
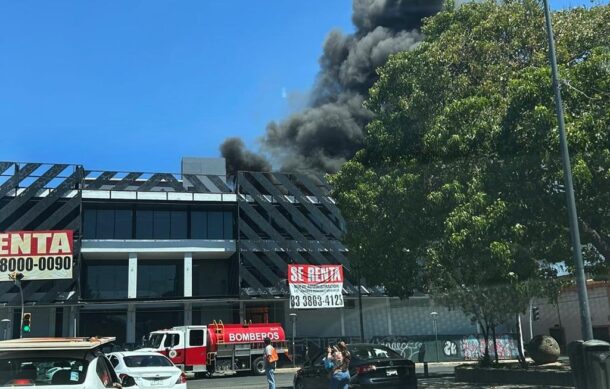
144	224
169	223
161	224
178	225
160	278
227	225
212	225
199	225
103	323
148	320
211	277
107	224
123	224
104	279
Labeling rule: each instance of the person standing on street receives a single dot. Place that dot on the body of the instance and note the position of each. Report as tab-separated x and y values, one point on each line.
271	359
340	376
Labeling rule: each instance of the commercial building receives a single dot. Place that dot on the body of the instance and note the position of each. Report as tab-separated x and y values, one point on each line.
155	250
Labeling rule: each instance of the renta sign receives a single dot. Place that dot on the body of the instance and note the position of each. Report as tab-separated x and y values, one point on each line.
308	274
314	287
39	255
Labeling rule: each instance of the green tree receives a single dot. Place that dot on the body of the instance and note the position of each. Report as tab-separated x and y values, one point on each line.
459	187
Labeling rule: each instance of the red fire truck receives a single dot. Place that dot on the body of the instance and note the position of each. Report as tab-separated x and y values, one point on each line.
218	347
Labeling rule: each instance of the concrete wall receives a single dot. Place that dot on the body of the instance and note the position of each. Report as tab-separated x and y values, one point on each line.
568	313
412	317
382	317
315	323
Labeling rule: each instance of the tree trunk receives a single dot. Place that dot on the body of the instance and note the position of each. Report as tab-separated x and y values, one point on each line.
493	333
486	358
522	360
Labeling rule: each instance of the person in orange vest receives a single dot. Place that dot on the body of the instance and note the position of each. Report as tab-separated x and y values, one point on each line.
271	359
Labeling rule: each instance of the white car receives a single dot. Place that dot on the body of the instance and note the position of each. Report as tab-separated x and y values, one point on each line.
58	363
148	369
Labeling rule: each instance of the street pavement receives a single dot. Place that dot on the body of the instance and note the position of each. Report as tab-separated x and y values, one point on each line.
440	378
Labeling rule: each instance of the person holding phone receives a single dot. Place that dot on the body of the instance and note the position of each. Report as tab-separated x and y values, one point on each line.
340	358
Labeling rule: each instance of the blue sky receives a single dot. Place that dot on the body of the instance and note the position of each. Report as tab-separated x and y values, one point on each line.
135	85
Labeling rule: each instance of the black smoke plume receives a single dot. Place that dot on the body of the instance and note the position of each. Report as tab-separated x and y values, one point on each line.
239	158
327	133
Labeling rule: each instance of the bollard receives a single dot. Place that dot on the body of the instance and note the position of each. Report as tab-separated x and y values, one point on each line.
426	369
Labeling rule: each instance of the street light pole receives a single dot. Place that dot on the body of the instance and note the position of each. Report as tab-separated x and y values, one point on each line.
434	315
18	283
293	316
581	282
16	278
5	324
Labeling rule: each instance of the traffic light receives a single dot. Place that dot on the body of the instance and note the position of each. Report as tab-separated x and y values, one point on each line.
15	276
27	322
535	313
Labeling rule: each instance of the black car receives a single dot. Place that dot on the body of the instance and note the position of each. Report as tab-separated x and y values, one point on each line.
372	366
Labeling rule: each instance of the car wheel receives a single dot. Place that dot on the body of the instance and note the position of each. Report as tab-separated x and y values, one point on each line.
258	366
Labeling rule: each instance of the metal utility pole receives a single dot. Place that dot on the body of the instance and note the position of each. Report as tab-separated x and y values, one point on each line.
434	315
16	278
360	308
293	316
531	321
581	282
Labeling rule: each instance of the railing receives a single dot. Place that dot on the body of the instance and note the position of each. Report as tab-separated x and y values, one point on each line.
19	175
156	182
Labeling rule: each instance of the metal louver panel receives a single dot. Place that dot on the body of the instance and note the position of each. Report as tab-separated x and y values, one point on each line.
35	196
283	220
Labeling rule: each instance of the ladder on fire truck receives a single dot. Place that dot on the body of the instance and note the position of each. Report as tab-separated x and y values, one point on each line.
219	330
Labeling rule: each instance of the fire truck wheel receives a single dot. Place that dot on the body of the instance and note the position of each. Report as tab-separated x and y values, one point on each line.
258	366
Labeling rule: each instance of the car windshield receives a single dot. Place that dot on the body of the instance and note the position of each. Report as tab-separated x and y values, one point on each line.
364	353
146	361
48	371
155	340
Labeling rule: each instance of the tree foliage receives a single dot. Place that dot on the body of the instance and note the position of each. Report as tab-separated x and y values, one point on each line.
460	185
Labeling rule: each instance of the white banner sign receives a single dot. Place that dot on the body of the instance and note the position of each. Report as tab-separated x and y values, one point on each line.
38	255
315	286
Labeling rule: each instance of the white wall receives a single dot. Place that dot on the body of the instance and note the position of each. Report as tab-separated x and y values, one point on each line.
382	317
569	313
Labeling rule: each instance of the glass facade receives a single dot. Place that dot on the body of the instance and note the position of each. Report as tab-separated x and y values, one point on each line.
148	320
155	223
107	223
160	278
104	279
161	224
104	323
212	225
212	277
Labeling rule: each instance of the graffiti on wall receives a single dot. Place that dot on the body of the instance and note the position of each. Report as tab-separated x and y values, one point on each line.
473	347
456	347
414	350
449	348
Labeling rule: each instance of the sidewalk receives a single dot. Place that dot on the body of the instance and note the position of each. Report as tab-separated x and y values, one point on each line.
449	383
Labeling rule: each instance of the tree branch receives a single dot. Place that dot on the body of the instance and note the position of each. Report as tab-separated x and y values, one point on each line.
596	238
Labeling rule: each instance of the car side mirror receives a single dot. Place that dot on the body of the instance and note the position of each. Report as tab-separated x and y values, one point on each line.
128	381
